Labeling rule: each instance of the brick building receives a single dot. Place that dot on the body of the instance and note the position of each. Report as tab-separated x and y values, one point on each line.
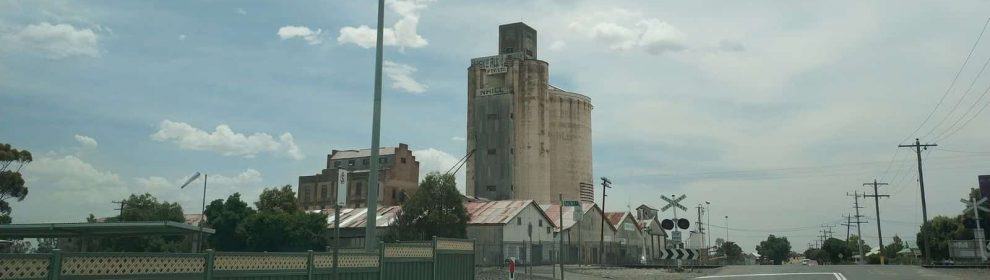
398	175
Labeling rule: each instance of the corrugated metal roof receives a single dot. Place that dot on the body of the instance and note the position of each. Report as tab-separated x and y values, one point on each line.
344	154
496	212
553	212
358	217
616	218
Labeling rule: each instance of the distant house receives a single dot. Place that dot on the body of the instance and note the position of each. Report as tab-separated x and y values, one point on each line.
509	229
656	236
582	231
629	237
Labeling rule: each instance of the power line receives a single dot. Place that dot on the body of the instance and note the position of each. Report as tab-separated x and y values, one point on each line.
962	97
951	84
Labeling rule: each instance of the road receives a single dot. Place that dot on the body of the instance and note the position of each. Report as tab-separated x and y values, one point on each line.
841	272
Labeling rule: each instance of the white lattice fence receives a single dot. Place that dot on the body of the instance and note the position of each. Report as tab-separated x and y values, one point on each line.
259	262
345	260
455	245
400	251
127	265
23	268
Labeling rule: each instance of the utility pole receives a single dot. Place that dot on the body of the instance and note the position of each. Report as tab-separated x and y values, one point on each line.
701	226
829	231
876	202
606	184
921	182
859	231
560	252
123	202
848	225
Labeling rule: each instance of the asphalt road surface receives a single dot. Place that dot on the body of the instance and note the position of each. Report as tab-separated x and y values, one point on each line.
841	272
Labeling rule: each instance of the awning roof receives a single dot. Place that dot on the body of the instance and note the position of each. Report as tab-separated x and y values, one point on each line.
98	229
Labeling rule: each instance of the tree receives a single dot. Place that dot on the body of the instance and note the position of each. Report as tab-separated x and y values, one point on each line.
11	182
277	199
140	208
434	210
890	251
940	231
835	251
227	218
853	246
774	248
279	225
731	251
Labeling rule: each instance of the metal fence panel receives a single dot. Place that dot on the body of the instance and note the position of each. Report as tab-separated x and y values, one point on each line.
24	266
454	259
131	266
407	261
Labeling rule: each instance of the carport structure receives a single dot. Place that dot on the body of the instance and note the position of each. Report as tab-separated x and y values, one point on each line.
84	231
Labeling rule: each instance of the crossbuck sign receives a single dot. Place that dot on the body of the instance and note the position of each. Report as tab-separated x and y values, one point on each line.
673	203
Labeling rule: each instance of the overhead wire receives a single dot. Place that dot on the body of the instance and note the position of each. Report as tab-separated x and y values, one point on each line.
951	84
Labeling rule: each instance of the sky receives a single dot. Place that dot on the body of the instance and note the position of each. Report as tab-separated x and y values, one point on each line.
772	111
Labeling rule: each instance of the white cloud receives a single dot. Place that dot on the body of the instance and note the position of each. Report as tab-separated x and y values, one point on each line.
436	160
557	45
291	31
86	141
403	33
182	37
458	138
76	186
240	11
225	141
623	30
401	77
54	41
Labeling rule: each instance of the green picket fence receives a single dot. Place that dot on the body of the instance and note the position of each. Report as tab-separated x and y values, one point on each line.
439	259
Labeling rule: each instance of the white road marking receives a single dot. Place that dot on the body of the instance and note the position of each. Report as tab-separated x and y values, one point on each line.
838	276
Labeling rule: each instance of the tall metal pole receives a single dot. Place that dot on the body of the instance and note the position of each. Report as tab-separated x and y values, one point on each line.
202	215
371	240
859	231
336	239
726	228
921	182
561	235
601	243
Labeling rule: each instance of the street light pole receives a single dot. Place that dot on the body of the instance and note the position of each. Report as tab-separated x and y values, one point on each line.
726	228
371	240
202	213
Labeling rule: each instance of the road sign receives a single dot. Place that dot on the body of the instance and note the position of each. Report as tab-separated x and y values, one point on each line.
577	209
341	187
675	236
679	254
673	203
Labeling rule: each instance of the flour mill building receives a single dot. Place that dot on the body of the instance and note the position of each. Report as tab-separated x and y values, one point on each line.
527	138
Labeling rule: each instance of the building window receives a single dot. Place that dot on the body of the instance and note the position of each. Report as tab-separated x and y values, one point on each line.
403	160
548	230
492	116
350	162
491	151
519	221
512	151
336	164
541	223
365	161
491	188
